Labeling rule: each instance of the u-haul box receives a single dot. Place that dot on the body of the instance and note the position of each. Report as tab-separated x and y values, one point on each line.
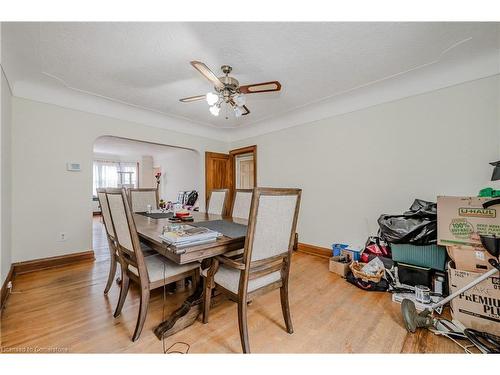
462	219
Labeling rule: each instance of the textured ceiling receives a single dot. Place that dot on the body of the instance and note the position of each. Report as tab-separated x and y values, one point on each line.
147	64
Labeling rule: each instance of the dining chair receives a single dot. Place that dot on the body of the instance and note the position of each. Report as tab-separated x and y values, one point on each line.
149	272
265	263
241	203
217	202
140	198
240	210
110	235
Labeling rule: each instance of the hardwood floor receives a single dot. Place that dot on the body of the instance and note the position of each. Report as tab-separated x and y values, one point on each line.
65	310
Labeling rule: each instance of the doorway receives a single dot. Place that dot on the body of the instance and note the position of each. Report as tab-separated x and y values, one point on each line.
244	167
244	172
234	170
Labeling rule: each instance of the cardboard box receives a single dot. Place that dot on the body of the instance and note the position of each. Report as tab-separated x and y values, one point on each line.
462	219
479	307
337	267
470	258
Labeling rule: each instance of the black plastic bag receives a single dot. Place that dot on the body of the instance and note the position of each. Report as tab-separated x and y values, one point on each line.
423	208
418	226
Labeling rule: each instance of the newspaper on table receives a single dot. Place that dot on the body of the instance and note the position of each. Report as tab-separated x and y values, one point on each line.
185	234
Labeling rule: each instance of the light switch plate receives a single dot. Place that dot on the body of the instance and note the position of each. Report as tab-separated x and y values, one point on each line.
73	167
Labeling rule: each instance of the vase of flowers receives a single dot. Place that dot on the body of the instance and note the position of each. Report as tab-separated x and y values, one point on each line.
162	204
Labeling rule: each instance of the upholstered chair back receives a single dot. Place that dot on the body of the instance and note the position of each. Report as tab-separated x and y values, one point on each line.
103	202
217	202
118	207
242	202
140	198
272	223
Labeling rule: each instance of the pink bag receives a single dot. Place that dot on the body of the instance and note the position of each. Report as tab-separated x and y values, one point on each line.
377	247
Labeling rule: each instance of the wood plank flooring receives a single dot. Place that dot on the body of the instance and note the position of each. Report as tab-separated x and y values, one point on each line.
65	310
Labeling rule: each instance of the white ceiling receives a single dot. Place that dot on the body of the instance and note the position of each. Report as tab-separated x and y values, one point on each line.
145	66
117	146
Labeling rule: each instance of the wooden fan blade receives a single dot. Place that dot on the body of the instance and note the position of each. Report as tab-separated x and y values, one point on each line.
190	99
207	73
260	87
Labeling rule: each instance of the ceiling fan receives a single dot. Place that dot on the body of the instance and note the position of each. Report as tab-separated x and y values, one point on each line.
228	90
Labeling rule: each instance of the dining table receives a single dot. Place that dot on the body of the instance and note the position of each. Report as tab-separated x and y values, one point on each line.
149	230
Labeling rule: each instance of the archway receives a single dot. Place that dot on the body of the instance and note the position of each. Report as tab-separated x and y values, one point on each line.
131	163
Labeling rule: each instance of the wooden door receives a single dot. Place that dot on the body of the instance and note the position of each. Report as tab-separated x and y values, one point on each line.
219	174
244	174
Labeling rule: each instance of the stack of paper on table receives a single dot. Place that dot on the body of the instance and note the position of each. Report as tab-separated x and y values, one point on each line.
184	235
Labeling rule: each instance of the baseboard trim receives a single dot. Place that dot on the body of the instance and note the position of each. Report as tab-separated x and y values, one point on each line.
4	293
319	251
19	268
57	261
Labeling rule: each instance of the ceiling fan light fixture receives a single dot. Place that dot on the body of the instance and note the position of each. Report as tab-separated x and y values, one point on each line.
237	111
240	100
212	98
214	110
228	92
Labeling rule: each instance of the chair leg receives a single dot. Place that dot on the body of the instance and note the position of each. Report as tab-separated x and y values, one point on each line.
209	285
123	294
143	311
285	307
112	266
242	322
207	295
111	276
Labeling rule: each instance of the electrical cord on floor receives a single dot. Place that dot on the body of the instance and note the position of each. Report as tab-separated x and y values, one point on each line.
169	349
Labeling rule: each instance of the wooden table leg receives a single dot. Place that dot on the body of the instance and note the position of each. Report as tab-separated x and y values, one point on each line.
184	316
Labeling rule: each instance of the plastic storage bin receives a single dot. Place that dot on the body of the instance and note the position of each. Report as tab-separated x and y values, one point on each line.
430	256
337	248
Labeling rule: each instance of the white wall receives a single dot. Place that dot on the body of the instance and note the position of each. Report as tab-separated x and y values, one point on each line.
181	170
356	166
46	199
146	172
5	178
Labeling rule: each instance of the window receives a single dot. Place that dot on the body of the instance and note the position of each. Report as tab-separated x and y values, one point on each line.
114	174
